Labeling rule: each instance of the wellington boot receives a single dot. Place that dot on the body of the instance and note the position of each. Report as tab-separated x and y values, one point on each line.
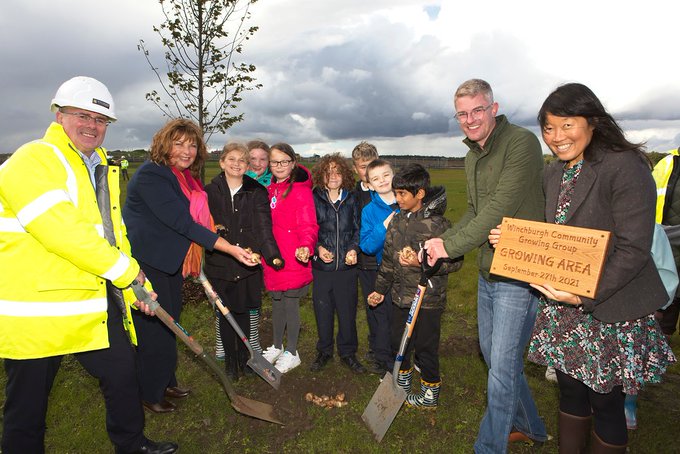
231	367
600	447
427	398
574	432
404	379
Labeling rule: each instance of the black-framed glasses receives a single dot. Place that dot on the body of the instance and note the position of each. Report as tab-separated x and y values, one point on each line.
474	114
284	163
85	118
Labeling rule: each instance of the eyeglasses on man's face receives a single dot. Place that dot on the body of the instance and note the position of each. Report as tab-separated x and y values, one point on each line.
474	114
284	163
86	118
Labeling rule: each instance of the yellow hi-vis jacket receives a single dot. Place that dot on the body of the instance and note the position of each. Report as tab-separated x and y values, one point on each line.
662	174
55	260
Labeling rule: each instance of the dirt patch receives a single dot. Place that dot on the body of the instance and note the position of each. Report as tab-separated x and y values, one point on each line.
460	342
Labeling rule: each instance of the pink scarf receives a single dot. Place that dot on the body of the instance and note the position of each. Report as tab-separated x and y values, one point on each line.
198	207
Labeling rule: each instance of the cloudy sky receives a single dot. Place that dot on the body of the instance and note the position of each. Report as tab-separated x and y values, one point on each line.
335	72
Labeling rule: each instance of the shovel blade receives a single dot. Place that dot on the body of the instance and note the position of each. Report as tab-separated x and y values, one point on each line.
255	409
383	407
264	369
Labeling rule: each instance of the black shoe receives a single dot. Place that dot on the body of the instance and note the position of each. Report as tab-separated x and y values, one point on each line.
320	361
152	447
353	363
163	406
176	392
376	367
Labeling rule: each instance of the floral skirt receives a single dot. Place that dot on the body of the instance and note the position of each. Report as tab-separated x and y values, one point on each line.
600	355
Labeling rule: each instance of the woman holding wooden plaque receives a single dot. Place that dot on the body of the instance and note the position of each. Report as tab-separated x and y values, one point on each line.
605	346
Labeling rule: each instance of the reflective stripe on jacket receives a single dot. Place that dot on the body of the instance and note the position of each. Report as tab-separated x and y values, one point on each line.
662	175
55	259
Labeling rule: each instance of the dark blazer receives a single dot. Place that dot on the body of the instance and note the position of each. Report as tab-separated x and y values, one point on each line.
159	225
615	192
246	222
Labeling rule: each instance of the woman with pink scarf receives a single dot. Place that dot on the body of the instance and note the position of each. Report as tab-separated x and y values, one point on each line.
168	222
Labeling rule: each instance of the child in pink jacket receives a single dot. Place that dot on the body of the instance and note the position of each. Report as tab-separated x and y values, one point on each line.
295	231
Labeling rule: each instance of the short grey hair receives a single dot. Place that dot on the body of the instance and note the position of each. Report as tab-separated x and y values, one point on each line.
474	87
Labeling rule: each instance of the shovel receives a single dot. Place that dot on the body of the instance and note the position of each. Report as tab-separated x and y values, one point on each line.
257	362
241	404
389	397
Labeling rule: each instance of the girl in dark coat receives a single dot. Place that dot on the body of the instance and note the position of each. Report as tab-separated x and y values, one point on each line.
240	208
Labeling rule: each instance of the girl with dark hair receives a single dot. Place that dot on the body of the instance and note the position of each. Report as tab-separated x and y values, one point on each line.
295	231
604	347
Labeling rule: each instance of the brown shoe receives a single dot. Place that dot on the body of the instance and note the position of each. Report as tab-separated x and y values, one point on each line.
176	392
161	407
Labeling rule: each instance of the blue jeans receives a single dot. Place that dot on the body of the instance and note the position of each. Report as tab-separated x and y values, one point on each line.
506	312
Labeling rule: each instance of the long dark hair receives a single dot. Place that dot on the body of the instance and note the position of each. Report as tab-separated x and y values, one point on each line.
287	149
577	100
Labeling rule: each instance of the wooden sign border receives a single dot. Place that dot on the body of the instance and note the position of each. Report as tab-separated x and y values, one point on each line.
566	257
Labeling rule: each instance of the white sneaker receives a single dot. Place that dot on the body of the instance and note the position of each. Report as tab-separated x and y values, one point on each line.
287	361
550	374
271	353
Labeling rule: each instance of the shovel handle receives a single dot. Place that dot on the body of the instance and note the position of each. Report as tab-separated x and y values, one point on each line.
143	295
214	298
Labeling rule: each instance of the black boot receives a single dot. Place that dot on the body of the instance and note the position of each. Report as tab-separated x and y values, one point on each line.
243	357
231	366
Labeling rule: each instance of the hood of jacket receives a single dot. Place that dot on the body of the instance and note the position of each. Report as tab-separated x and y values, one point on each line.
434	202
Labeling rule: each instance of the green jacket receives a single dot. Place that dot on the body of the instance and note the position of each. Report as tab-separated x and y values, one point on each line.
504	179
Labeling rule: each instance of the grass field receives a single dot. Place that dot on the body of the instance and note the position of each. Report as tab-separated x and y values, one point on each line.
205	422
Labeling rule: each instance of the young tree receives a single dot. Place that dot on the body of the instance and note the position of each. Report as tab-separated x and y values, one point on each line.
202	81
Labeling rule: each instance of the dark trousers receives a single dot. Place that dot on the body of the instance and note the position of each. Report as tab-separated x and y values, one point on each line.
29	383
609	419
668	318
378	319
156	344
336	292
238	297
424	340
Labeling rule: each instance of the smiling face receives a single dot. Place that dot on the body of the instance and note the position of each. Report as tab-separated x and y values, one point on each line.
380	179
360	168
258	160
408	201
234	163
86	135
567	137
281	165
333	177
183	153
477	128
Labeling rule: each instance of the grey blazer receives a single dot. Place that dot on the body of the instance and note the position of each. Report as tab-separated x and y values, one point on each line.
615	192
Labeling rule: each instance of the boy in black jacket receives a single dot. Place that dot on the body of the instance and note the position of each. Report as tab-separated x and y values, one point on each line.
421	217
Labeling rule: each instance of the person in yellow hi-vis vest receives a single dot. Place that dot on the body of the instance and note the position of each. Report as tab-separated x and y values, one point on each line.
65	261
666	174
124	164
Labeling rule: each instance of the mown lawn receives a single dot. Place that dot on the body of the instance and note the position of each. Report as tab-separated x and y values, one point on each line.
205	422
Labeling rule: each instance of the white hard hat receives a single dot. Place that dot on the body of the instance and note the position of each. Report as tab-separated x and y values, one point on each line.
85	93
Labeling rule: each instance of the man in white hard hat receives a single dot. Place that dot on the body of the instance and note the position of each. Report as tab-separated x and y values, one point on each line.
65	259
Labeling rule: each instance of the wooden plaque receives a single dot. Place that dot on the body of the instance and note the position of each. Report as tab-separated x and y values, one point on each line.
567	258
